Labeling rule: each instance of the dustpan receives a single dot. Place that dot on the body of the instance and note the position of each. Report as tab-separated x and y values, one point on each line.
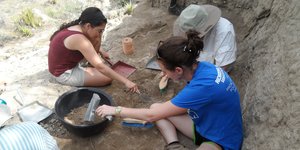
152	64
121	68
34	111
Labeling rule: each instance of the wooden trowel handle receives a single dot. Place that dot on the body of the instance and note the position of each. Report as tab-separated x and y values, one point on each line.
163	82
108	61
132	120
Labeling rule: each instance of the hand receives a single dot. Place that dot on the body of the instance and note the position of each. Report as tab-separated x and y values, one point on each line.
105	110
132	87
162	74
96	43
104	54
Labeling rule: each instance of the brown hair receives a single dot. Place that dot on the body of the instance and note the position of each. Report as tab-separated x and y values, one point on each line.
92	15
178	51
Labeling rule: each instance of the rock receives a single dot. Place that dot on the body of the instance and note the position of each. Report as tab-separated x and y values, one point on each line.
275	116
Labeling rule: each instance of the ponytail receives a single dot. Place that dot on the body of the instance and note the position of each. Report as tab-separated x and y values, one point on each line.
178	51
64	26
195	43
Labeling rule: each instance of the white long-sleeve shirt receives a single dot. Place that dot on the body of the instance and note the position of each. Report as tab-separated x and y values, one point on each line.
219	43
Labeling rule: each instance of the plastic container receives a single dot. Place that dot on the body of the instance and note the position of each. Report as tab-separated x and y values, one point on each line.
76	98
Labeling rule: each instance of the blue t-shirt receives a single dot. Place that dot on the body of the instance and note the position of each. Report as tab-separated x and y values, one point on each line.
213	103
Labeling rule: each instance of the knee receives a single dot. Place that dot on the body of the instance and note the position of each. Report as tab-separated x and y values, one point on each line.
209	146
107	81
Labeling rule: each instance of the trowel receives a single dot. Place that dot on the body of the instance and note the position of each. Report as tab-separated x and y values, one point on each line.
152	64
89	115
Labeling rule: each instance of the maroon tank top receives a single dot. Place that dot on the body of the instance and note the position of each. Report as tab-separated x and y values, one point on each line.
60	58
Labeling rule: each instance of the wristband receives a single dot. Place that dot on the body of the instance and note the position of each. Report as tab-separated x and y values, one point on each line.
118	110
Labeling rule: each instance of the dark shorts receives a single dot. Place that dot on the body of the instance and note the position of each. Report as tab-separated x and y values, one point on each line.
198	139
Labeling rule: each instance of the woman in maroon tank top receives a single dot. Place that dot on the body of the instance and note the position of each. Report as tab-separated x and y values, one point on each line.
80	39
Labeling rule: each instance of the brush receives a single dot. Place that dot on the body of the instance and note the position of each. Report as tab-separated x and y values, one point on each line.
136	123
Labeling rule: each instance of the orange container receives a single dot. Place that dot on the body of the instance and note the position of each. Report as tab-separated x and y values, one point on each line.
127	46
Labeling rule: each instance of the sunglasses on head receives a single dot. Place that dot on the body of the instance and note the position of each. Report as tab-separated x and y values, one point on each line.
159	44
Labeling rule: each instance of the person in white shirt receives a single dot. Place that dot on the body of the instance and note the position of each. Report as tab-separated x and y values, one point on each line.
26	136
217	33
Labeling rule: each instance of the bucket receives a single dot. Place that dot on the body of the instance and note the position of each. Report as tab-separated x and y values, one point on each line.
76	98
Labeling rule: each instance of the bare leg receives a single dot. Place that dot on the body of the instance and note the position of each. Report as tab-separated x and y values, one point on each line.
95	78
168	130
184	124
209	146
168	127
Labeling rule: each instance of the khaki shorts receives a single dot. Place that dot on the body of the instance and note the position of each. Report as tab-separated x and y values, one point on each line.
72	77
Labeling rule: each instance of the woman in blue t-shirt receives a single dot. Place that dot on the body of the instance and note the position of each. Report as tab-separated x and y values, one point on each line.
206	110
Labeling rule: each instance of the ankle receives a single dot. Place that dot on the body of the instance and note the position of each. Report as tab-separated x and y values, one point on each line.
174	142
175	146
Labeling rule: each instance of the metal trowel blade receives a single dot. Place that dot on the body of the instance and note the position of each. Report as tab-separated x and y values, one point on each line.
144	97
90	112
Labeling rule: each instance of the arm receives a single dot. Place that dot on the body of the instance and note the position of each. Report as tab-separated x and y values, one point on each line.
97	43
225	46
103	53
158	112
97	46
81	43
228	67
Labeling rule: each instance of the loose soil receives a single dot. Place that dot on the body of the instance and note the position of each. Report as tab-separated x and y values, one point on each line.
76	116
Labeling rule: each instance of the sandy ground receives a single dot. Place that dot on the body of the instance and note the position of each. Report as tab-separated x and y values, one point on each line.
266	73
24	70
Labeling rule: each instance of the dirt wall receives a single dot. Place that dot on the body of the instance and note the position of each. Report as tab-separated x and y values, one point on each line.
267	70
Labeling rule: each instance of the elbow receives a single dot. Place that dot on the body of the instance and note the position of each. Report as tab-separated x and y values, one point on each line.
101	67
151	115
151	118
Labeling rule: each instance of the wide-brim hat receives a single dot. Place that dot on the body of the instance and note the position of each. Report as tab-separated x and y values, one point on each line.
197	17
